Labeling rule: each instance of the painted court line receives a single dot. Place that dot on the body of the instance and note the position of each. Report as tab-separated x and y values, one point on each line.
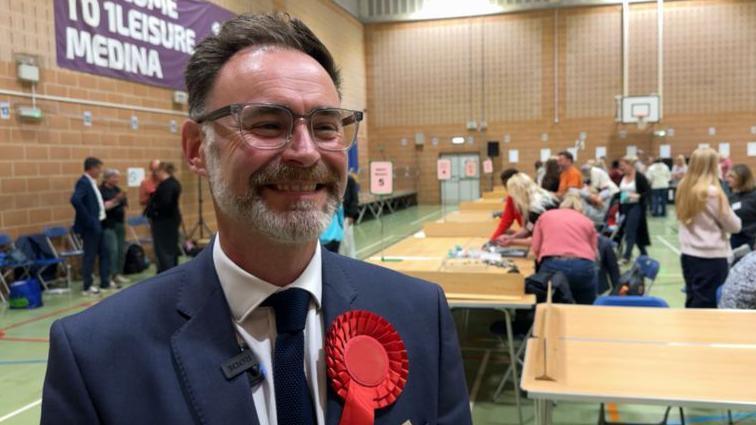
422	219
669	245
21	410
18	362
45	316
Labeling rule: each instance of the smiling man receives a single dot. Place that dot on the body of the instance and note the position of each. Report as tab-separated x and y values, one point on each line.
242	333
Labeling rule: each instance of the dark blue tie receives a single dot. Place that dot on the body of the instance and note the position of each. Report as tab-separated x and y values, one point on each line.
293	401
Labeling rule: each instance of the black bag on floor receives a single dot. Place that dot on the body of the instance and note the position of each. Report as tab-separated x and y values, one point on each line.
136	261
631	282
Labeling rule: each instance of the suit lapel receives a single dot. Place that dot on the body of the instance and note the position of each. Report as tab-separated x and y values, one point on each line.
206	341
338	297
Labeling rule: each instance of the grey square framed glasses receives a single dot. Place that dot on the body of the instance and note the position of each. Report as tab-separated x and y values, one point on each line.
268	126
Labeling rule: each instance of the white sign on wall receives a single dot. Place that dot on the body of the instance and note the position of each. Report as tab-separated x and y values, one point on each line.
724	149
631	151
514	156
600	152
545	154
665	151
134	176
87	117
4	110
751	149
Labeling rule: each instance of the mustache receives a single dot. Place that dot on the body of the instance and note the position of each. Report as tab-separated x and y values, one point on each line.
279	172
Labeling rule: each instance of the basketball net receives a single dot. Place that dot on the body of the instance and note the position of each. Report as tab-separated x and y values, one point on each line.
642	123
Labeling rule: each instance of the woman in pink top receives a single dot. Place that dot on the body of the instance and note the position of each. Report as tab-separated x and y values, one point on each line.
565	240
706	221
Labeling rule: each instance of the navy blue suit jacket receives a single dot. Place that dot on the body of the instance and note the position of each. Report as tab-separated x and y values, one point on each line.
152	354
84	201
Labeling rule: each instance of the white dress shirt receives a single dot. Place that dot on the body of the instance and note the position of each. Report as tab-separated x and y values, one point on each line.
257	327
101	214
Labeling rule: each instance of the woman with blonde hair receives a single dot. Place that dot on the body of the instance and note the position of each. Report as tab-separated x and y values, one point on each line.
743	202
565	240
705	219
531	201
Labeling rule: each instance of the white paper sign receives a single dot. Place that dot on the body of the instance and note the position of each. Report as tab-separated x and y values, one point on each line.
87	119
712	131
381	178
488	166
134	122
173	126
545	154
583	135
134	176
632	151
703	145
443	169
544	137
514	156
724	149
751	148
600	152
4	110
471	168
665	151
753	129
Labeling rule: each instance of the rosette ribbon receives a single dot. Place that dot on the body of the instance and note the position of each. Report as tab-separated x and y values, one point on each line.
367	364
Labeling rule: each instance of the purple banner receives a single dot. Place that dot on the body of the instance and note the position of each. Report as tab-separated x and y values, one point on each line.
145	41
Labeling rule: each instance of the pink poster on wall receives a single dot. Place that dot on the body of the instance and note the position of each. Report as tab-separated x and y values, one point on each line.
443	169
487	166
381	178
471	168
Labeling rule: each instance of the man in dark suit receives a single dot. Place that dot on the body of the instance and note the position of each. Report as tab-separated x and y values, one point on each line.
168	351
90	212
165	217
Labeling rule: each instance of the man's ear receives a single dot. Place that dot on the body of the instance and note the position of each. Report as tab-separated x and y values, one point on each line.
191	142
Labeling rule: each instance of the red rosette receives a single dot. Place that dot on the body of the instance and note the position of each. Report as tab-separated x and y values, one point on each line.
367	364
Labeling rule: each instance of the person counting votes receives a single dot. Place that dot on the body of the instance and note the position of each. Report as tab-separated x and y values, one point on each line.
530	201
550	180
510	215
596	193
253	330
570	177
565	240
705	220
743	202
660	175
739	289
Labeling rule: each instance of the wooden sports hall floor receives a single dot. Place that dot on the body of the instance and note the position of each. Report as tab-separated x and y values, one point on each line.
23	344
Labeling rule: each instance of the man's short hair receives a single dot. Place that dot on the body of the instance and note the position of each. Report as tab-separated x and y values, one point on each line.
91	162
272	29
568	155
110	172
168	167
507	174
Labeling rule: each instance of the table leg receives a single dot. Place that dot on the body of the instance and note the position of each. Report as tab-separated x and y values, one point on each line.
513	361
542	412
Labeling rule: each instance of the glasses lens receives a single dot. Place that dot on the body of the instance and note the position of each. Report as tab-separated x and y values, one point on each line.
334	129
264	126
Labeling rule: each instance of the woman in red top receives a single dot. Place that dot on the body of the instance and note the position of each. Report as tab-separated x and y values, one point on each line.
565	240
510	214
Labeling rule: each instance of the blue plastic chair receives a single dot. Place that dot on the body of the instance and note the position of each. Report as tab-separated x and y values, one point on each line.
630	301
649	268
634	301
135	222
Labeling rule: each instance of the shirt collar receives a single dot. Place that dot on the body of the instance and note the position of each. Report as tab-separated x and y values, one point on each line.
245	292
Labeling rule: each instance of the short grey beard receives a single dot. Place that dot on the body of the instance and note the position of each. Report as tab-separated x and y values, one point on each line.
303	223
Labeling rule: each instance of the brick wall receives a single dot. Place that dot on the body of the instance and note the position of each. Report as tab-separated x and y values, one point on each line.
432	77
40	162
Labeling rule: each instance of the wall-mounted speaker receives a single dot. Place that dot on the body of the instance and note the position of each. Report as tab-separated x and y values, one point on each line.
493	148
